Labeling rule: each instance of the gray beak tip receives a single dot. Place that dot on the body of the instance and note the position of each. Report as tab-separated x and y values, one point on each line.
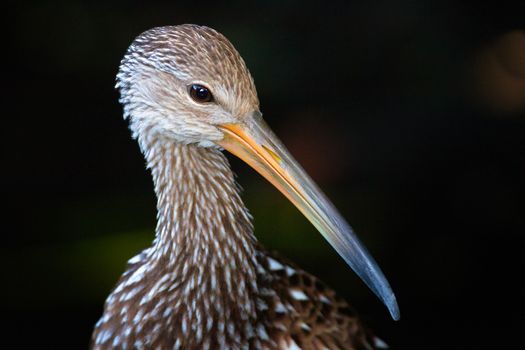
393	308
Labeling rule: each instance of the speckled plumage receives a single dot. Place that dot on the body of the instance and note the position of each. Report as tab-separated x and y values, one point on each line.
205	283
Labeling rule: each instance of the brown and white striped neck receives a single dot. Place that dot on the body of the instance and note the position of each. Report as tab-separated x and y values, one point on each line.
196	286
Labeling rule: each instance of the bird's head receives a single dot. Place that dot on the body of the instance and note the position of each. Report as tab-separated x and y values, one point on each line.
184	82
188	84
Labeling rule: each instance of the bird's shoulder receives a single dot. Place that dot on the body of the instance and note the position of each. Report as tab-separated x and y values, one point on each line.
305	311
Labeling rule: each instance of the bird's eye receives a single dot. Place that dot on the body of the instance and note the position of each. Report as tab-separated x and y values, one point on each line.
200	93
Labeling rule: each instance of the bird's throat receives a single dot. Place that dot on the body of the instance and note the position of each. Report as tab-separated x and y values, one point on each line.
201	219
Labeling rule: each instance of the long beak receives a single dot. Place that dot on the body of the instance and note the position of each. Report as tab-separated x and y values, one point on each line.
255	143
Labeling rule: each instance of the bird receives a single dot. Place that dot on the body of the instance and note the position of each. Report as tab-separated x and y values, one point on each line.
206	282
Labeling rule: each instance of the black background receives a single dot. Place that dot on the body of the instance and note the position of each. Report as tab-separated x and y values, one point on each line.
392	106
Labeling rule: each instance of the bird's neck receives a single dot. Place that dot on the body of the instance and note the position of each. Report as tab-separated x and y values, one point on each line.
202	223
198	281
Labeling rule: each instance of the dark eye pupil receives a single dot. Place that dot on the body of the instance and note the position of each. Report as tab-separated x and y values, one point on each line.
200	93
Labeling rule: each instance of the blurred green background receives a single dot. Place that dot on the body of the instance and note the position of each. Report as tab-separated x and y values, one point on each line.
409	114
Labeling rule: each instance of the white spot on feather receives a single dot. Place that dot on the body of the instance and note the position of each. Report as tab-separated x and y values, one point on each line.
103	336
261	305
184	326
324	299
290	344
279	307
135	259
379	343
137	275
290	271
116	341
261	331
298	294
167	312
130	294
275	265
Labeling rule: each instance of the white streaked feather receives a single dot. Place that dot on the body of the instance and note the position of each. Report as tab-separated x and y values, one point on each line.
298	294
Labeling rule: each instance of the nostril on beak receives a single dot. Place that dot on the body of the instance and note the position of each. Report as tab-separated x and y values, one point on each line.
272	153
